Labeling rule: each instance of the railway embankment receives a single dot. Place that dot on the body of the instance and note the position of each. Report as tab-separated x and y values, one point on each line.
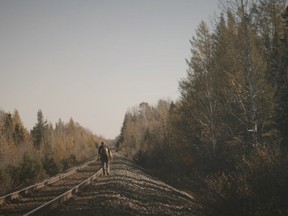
128	190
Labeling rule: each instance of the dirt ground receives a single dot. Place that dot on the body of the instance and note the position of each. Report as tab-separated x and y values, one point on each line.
128	190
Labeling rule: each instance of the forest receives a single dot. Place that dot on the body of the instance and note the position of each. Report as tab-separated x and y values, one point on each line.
27	157
225	139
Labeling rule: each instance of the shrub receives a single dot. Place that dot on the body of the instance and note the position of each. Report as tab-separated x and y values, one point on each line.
27	172
257	186
4	182
140	158
51	166
69	162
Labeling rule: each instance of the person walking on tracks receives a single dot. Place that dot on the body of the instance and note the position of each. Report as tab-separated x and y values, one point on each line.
104	154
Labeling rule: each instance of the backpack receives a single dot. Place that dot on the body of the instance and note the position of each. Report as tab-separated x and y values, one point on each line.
104	152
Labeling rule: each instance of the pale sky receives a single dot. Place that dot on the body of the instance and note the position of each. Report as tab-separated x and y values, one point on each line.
92	60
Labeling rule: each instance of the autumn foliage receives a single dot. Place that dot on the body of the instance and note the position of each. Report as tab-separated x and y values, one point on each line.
225	139
27	157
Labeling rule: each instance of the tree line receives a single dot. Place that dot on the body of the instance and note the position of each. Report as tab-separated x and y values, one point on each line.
226	137
30	156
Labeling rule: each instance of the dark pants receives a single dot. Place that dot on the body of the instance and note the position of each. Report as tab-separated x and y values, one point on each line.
105	166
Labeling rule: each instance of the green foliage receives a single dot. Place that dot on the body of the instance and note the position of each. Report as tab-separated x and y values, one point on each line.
280	78
27	172
222	136
267	176
4	182
8	127
38	131
57	148
69	162
145	132
51	166
257	187
141	158
19	134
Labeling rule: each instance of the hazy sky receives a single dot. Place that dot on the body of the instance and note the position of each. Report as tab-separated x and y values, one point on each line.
92	60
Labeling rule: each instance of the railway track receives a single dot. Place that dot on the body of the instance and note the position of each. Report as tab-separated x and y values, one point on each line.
50	193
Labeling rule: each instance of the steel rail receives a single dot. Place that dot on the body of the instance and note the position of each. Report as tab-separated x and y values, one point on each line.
65	196
17	194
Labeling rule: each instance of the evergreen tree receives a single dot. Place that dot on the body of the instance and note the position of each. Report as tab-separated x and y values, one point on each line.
8	128
38	130
281	80
19	134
